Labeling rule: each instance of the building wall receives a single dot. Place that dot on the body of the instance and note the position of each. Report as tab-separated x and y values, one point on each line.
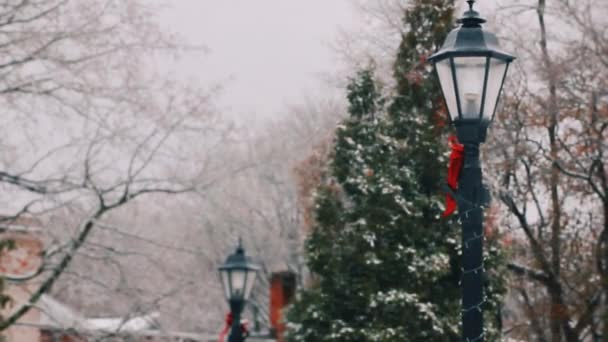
282	291
23	331
22	261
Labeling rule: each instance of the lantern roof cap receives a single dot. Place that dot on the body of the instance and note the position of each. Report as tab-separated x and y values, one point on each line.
470	39
238	260
471	17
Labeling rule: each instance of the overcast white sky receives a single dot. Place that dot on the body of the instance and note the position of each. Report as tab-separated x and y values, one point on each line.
267	53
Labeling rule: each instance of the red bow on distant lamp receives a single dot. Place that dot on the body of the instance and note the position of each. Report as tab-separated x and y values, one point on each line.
229	324
226	327
456	162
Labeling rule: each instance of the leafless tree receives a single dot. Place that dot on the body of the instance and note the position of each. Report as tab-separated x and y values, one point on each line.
91	128
261	204
548	148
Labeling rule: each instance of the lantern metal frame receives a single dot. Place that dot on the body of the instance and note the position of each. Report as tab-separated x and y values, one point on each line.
471	40
237	261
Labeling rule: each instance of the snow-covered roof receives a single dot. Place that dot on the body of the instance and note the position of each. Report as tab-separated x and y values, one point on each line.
124	325
22	224
58	315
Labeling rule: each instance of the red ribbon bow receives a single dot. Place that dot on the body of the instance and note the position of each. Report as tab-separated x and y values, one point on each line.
228	325
456	162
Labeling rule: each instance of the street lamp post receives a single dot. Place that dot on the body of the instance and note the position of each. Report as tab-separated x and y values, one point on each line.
237	275
471	68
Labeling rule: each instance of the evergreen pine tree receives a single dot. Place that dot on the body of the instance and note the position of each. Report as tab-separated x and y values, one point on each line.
386	266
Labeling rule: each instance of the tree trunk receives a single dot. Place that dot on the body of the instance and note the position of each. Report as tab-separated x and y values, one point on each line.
604	270
557	306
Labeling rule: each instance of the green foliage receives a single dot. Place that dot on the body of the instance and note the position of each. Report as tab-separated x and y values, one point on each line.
385	265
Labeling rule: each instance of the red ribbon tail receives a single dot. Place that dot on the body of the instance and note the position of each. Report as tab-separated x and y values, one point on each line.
450	206
456	162
223	334
226	327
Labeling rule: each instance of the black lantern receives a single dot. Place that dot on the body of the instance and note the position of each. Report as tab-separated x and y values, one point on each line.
237	275
471	69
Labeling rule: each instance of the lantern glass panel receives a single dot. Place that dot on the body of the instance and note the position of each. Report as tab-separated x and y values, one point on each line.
225	277
238	277
470	76
496	76
250	281
446	79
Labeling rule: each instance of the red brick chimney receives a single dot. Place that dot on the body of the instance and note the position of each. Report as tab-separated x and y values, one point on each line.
282	291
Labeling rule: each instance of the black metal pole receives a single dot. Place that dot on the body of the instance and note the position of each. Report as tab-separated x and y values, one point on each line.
236	335
471	191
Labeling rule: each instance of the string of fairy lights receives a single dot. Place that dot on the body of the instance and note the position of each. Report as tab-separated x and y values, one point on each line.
465	244
476	271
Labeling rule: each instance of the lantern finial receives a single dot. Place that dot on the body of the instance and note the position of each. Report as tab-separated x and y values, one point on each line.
239	248
471	17
471	3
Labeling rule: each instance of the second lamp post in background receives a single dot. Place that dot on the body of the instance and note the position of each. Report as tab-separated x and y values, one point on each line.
238	275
